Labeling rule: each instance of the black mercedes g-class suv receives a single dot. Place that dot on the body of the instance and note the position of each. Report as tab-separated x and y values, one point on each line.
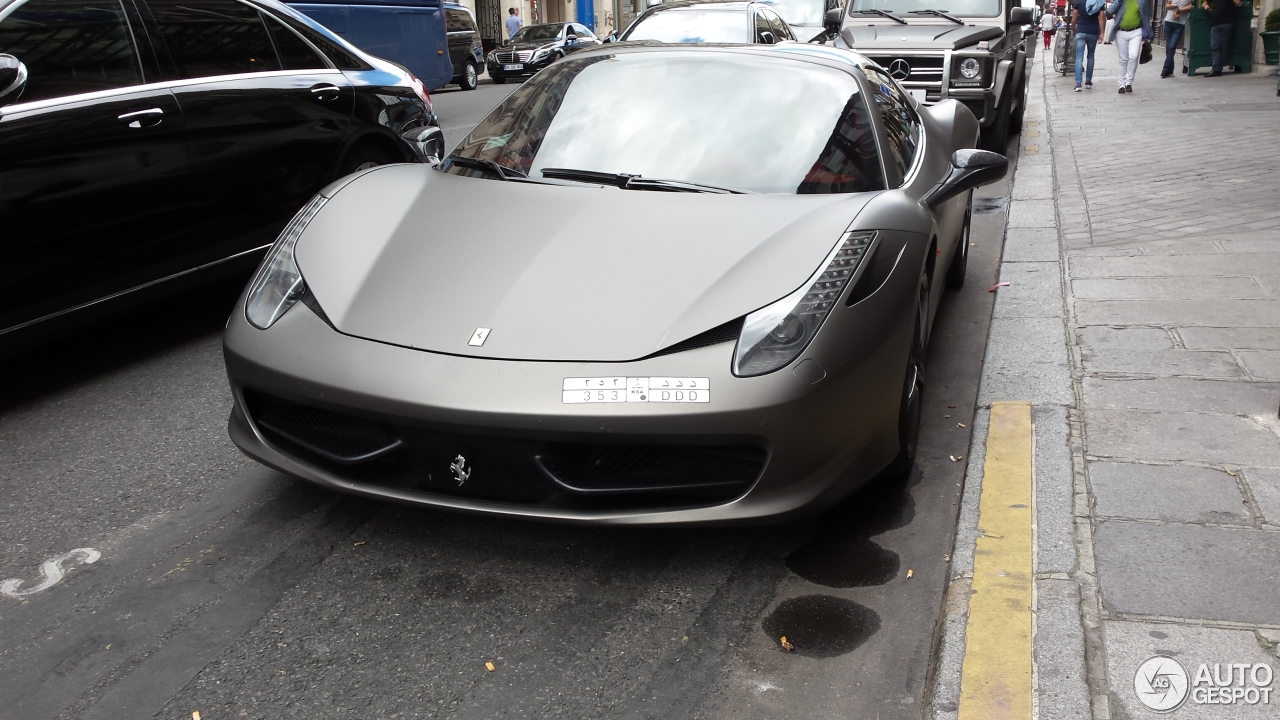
973	51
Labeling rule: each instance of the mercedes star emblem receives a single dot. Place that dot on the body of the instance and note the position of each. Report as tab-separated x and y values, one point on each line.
899	69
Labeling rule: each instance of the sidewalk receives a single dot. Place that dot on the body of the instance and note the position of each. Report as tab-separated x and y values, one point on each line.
1140	337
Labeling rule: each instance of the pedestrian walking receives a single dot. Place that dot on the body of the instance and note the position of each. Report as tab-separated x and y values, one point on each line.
1175	24
514	23
1106	37
1132	27
1222	19
1047	24
1086	21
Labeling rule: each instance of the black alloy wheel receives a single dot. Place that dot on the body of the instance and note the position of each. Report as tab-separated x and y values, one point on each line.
960	261
912	389
470	77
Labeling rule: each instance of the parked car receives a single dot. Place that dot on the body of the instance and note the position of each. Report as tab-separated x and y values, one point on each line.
973	51
709	21
537	46
148	143
410	33
465	48
714	306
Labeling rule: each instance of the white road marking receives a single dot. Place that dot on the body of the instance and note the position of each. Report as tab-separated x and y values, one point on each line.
53	573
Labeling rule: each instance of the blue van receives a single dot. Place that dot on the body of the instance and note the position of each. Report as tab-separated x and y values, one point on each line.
407	32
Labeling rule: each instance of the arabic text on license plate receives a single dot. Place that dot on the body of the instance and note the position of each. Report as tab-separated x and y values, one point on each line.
917	94
636	389
521	67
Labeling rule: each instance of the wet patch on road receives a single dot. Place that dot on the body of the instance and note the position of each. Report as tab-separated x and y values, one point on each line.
841	553
990	205
821	626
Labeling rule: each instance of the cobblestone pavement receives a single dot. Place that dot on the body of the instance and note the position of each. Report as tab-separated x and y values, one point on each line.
1143	324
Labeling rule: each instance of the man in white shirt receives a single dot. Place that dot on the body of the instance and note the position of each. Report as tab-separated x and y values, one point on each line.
1175	22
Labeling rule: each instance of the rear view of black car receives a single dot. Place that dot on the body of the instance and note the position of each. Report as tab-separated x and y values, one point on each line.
144	142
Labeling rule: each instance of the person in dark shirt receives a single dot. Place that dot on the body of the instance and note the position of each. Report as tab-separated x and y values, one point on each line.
1087	29
1222	16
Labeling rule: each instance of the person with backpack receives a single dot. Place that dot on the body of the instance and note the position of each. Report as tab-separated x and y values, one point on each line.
1131	29
1086	18
1175	23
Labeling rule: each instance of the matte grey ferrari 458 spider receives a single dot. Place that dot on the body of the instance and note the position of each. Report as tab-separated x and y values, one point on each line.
657	284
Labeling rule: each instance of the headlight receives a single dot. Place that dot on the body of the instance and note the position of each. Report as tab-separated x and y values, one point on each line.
540	55
278	284
773	336
970	68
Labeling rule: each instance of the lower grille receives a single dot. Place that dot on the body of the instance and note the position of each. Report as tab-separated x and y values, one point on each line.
513	470
335	437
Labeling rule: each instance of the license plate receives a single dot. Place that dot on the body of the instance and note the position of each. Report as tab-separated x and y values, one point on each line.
513	67
918	95
635	389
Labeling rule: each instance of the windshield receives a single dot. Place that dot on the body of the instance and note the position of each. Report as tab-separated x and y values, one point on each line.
759	124
693	26
903	8
800	12
537	33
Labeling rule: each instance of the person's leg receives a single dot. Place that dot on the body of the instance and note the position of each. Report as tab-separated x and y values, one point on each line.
1091	43
1217	34
1173	34
1133	45
1122	54
1079	58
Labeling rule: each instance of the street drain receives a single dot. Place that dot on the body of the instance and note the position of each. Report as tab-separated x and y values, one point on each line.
821	626
989	205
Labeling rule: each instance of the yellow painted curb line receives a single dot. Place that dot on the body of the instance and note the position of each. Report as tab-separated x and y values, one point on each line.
995	678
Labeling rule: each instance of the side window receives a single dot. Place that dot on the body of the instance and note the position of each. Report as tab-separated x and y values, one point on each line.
71	47
762	27
295	53
214	37
582	31
339	55
901	125
850	162
780	29
453	21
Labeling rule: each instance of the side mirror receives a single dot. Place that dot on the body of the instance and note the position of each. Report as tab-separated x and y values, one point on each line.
1020	16
969	169
611	37
832	20
13	78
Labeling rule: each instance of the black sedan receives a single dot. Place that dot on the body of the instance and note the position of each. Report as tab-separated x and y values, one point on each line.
141	142
703	21
536	47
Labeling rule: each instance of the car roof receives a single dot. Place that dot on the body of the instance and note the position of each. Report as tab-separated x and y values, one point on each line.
840	59
702	5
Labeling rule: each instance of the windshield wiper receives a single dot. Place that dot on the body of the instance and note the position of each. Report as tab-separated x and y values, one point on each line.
881	13
627	181
939	13
502	172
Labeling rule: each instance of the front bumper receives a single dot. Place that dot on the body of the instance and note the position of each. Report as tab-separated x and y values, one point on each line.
527	69
822	437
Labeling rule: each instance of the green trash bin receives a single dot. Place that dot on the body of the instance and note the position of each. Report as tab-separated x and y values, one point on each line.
1198	53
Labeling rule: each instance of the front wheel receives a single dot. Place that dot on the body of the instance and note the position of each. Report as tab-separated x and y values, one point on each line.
470	77
365	157
996	137
960	261
912	390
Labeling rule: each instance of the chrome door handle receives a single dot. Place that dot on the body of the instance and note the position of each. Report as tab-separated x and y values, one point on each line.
142	118
326	92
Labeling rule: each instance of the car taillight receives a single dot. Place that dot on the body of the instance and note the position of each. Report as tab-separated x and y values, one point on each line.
420	89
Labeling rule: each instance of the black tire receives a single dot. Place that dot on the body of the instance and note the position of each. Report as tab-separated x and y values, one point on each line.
1015	121
960	261
497	79
910	404
470	77
363	157
996	137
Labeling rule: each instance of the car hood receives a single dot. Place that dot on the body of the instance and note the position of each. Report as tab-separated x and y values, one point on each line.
533	45
916	36
419	258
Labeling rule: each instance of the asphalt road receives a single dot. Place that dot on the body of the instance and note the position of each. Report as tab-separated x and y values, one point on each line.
227	588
